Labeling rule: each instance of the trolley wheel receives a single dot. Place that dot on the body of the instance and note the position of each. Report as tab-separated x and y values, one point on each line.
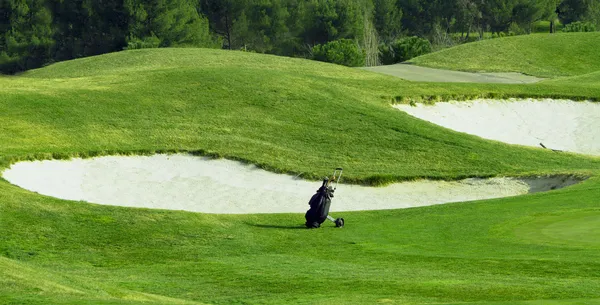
339	223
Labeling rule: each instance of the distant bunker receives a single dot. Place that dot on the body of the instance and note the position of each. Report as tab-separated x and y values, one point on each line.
560	125
197	184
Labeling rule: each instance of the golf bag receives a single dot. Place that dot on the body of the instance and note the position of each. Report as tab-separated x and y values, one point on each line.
320	202
319	206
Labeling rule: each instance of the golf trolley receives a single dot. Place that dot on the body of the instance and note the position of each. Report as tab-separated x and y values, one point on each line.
321	201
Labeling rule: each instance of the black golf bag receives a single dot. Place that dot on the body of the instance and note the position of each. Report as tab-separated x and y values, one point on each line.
320	203
319	206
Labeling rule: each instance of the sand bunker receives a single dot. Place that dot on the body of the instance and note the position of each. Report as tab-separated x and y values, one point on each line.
557	124
184	182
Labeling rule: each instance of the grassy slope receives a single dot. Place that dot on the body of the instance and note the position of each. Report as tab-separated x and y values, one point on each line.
542	55
289	115
263	109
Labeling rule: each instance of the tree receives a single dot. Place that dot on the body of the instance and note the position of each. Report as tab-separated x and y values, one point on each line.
421	17
342	52
87	27
227	19
497	14
169	22
526	12
265	23
387	19
370	43
26	29
549	12
467	15
577	10
329	20
412	16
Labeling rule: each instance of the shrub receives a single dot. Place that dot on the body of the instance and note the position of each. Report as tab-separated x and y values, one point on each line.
134	43
342	52
579	26
387	55
8	65
498	35
404	49
514	29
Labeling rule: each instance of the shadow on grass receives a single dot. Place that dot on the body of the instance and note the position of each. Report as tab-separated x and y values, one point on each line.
268	226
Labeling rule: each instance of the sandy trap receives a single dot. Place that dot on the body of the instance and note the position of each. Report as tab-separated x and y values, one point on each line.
183	182
558	124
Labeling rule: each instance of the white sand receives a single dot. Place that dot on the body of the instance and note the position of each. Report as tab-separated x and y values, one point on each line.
183	182
558	124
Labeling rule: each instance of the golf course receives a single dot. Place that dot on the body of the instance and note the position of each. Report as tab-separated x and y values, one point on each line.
300	118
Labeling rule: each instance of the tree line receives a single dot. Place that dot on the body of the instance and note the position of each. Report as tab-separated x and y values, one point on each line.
38	32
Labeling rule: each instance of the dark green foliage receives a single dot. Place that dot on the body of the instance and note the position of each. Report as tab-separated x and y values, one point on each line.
579	26
404	49
498	14
227	20
387	55
265	23
466	16
38	32
86	28
170	22
342	52
526	13
26	34
328	20
145	43
386	19
578	10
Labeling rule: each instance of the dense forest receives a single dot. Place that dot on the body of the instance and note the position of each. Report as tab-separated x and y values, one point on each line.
351	32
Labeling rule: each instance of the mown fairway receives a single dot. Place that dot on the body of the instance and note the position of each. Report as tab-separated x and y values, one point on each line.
542	55
296	116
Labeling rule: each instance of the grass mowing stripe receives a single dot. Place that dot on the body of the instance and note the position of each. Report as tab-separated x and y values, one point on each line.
286	115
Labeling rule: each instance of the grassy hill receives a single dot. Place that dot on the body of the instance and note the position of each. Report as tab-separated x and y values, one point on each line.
542	55
287	115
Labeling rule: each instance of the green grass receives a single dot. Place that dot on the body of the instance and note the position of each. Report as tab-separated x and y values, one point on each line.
287	115
544	26
261	109
542	55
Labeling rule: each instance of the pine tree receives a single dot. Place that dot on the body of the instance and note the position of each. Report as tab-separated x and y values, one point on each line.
225	21
386	19
26	34
267	21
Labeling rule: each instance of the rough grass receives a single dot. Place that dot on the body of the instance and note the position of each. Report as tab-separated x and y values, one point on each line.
542	55
294	116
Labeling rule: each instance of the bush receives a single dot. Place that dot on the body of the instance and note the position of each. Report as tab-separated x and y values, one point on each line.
498	35
134	43
514	29
579	26
404	49
387	56
342	52
8	65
